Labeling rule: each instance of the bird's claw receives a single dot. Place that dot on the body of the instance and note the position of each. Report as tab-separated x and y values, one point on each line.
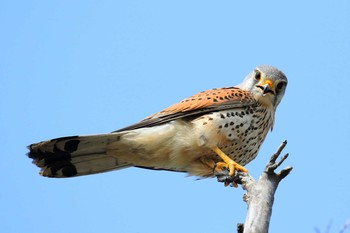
222	173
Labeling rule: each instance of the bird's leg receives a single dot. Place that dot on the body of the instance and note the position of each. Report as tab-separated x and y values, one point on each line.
228	162
224	171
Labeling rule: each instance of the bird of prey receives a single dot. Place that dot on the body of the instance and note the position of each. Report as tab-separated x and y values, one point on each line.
208	132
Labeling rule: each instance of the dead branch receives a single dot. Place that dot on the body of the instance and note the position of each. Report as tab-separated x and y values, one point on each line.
260	193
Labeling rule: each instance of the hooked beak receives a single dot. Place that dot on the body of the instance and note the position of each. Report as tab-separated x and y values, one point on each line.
266	87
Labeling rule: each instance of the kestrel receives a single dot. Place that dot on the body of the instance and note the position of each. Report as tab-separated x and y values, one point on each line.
210	131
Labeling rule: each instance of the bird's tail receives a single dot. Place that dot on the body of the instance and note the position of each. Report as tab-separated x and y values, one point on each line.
76	155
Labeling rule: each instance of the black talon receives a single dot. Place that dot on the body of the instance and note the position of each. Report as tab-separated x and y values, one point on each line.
223	177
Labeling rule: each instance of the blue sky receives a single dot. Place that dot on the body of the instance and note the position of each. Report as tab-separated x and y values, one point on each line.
87	67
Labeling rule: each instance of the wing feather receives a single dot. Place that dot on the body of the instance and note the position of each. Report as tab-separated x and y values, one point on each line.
198	104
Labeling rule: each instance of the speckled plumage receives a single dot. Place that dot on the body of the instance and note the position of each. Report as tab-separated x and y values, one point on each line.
182	137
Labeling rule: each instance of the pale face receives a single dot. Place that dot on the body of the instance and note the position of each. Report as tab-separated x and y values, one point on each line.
267	84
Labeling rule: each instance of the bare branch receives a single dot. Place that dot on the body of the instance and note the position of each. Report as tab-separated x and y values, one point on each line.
260	193
272	165
284	172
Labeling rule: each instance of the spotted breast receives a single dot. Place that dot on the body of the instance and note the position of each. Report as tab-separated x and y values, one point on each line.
239	132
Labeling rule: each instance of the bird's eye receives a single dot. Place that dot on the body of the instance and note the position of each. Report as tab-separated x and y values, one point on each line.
257	75
280	85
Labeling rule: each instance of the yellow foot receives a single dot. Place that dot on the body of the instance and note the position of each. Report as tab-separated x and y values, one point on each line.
228	163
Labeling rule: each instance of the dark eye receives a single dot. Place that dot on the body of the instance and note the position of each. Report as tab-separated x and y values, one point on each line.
280	85
257	75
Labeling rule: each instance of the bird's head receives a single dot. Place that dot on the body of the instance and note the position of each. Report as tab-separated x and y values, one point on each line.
267	84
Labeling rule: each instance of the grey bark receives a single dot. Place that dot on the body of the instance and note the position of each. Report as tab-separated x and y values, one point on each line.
260	194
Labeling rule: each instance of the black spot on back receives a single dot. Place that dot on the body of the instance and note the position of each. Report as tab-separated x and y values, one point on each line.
59	165
69	170
57	155
71	146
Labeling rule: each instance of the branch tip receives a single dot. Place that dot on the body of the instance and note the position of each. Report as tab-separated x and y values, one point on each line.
281	147
272	165
284	172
